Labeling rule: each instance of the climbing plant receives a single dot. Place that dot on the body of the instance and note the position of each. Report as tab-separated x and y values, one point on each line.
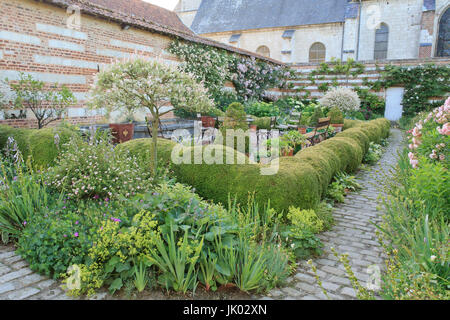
214	67
421	83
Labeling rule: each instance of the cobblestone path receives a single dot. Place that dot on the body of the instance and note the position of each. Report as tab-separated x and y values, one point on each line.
353	233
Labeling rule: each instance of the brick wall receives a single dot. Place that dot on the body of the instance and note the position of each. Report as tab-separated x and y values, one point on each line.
35	39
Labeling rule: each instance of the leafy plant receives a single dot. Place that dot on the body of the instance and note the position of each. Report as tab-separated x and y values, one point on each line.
139	84
46	105
373	154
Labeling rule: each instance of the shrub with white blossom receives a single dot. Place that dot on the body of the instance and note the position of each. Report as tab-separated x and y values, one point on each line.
96	170
343	98
136	83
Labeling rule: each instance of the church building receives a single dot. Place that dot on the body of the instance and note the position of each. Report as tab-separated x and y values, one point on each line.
302	31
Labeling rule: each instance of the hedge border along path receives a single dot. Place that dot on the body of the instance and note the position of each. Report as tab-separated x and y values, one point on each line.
353	234
301	180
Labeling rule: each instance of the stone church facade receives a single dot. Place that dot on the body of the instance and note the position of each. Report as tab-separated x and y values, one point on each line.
302	31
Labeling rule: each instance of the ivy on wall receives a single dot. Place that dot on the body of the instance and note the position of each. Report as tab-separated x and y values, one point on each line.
214	67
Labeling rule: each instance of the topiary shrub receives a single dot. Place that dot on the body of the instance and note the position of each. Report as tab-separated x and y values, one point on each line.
46	144
348	123
143	150
21	136
235	117
358	134
314	120
336	116
262	123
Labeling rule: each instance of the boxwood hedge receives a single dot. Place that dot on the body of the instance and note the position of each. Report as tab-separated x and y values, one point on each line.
301	180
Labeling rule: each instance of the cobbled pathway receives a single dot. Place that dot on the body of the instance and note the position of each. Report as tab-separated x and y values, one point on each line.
353	234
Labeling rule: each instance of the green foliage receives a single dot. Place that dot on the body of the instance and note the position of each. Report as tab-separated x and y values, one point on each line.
314	119
373	154
336	116
262	109
213	67
95	169
46	105
57	238
371	104
235	117
262	123
421	83
342	184
208	65
21	197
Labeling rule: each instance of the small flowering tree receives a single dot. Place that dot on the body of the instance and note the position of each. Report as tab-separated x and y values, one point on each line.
136	83
345	99
430	137
47	105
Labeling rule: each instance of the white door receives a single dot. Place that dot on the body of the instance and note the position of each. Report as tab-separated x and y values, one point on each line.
394	107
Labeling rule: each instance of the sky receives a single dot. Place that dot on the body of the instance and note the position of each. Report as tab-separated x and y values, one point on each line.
168	4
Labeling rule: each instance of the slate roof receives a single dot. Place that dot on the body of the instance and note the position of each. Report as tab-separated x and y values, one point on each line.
105	10
233	15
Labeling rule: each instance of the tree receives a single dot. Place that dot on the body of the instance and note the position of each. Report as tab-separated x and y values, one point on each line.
46	105
136	83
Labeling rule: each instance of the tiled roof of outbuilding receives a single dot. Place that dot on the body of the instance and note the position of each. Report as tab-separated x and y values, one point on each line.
156	20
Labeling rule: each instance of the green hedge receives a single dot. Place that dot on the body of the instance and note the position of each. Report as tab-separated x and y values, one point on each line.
301	180
39	144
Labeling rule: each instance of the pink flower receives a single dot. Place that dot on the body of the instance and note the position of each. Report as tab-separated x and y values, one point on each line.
411	155
441	157
414	163
445	131
75	234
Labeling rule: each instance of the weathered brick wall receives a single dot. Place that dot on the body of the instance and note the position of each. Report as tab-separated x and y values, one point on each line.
35	39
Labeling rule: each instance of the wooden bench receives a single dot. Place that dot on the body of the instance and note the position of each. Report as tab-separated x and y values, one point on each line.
322	124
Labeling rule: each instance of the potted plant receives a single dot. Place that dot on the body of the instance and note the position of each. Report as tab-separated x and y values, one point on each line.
337	119
303	124
295	140
314	120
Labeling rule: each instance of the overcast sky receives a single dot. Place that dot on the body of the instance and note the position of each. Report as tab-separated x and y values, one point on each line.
168	4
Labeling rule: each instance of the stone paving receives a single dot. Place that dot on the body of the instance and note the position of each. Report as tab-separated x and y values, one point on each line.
353	233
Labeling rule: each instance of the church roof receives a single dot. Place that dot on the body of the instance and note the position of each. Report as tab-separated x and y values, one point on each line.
233	15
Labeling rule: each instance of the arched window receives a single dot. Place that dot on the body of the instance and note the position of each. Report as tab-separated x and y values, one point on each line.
264	51
381	42
317	52
443	45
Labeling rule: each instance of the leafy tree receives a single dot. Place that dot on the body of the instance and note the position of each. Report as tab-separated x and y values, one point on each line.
136	84
47	105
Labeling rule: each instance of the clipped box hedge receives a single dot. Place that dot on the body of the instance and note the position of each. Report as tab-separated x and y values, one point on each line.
39	144
301	180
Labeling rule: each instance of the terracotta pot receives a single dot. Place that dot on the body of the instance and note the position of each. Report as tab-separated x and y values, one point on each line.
122	132
253	127
302	130
285	153
208	122
337	127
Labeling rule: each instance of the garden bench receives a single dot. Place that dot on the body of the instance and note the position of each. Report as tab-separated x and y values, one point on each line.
320	130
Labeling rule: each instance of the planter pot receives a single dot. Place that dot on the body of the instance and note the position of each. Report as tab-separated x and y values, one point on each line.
208	122
302	130
122	132
253	127
286	153
337	127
